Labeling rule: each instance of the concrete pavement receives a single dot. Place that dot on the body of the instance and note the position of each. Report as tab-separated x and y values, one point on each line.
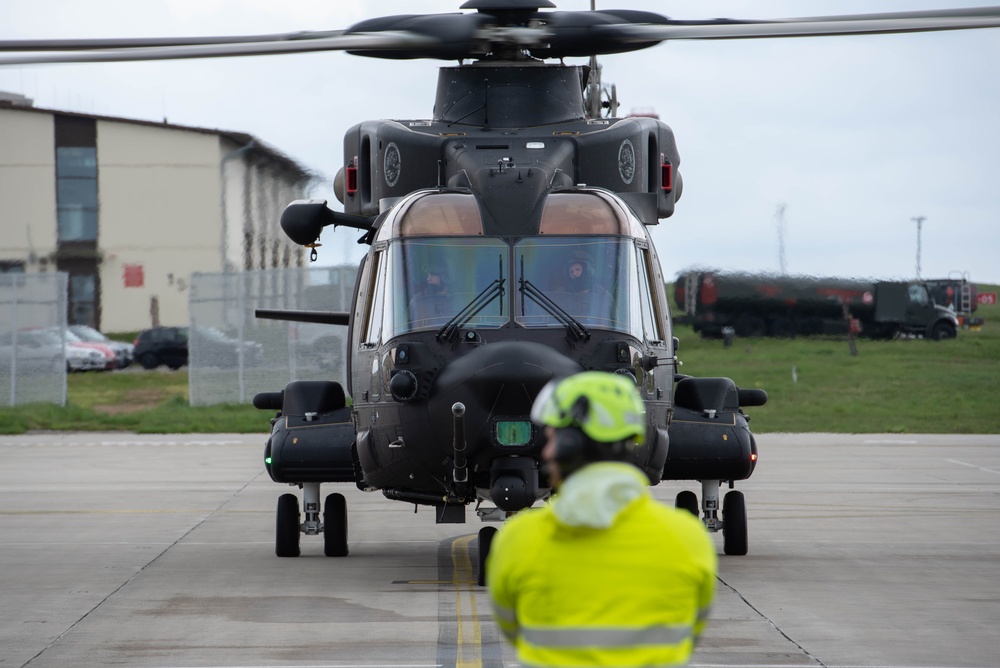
121	549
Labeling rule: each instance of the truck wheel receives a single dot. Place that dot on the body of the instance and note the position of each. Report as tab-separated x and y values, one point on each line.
750	325
942	330
783	328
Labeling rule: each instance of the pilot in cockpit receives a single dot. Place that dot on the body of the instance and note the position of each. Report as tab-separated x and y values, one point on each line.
431	303
586	295
579	276
436	281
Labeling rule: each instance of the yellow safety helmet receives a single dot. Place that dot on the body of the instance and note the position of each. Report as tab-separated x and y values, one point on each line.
606	407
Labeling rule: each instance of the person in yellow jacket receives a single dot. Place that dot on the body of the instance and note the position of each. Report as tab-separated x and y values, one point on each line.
604	574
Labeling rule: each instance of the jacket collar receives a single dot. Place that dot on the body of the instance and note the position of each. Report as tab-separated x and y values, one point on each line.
596	494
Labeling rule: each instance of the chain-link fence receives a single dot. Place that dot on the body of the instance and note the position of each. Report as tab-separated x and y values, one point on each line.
32	327
233	355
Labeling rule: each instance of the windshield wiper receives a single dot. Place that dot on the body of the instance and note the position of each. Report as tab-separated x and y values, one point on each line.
575	329
472	309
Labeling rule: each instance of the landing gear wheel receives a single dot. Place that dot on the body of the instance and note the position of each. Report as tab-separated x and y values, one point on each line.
485	540
734	524
286	541
687	500
335	526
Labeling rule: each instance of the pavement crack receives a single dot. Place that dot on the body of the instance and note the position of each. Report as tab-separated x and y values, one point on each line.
771	622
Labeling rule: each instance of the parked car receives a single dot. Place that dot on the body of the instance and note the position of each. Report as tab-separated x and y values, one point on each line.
162	345
213	347
84	358
31	351
86	362
124	352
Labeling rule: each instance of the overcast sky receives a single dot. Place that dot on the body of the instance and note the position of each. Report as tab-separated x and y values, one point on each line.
854	136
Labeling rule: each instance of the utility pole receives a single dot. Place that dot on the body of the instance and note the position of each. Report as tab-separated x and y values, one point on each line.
779	223
919	220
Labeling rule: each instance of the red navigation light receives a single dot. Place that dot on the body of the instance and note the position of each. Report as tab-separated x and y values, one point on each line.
753	456
666	176
351	177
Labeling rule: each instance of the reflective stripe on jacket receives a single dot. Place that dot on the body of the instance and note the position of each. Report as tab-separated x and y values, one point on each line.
604	575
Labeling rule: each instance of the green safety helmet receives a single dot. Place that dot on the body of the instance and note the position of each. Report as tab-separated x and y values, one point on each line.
604	406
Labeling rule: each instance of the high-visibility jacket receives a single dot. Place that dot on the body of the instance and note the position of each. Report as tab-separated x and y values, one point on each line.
603	575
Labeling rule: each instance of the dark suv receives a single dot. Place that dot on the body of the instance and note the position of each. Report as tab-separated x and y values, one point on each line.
162	345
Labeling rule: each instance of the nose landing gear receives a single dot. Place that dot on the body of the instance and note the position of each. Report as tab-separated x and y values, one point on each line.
732	524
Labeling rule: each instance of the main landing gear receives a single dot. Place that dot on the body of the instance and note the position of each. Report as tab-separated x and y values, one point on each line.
733	523
289	525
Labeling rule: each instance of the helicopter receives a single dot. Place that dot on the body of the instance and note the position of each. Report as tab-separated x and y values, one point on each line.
476	221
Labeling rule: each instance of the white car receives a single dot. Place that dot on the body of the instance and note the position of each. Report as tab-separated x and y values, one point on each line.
80	358
123	351
31	351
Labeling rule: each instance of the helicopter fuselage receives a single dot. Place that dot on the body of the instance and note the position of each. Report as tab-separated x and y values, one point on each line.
492	190
508	247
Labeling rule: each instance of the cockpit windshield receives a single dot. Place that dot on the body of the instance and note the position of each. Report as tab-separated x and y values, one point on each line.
431	280
434	269
588	279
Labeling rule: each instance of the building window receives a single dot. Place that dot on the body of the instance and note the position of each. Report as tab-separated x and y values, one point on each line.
82	299
76	192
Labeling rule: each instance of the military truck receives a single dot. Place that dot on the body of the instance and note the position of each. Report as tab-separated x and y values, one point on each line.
718	303
958	294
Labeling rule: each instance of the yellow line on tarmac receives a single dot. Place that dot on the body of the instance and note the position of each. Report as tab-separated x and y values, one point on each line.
469	655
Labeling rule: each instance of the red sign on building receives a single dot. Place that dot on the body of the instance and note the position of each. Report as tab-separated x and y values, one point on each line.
134	277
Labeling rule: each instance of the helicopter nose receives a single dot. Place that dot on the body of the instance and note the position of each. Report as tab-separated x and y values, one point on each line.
498	383
498	379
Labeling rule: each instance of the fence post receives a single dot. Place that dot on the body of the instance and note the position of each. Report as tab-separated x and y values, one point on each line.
13	342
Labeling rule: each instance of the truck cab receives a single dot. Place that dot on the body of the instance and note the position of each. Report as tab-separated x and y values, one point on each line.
902	307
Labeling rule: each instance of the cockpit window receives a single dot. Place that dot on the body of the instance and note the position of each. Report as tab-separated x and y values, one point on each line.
440	214
433	280
581	213
593	281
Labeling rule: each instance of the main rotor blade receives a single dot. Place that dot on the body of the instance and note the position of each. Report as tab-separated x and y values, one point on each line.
816	27
460	36
384	41
148	42
922	14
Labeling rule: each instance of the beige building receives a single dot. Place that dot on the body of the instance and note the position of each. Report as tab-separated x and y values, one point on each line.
130	209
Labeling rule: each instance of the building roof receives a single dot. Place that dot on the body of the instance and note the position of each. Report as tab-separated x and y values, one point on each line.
257	146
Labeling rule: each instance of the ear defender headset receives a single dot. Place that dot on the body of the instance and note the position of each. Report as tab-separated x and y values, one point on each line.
568	406
571	442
